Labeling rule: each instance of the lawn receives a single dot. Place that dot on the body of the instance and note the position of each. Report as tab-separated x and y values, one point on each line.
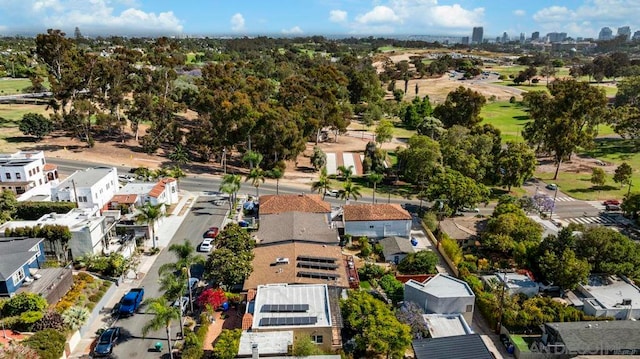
508	117
10	115
610	150
191	57
9	86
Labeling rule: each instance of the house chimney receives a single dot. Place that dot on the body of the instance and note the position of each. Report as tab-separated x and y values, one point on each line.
254	351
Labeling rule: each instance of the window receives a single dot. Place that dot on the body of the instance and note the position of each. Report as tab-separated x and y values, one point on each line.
83	199
30	173
18	276
371	227
469	308
7	175
317	339
20	190
18	175
40	181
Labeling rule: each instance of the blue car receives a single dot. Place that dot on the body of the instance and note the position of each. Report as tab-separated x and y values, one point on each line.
107	341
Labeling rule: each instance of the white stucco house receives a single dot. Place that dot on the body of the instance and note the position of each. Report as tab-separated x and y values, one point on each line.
165	191
442	294
27	174
376	221
89	188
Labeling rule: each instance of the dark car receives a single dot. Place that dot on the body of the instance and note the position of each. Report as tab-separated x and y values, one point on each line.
211	233
107	341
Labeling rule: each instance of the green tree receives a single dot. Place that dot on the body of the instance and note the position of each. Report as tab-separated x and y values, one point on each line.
345	172
227	344
75	317
631	204
35	124
252	158
186	258
609	252
374	178
304	347
431	126
8	205
384	132
257	176
350	190
318	158
149	214
459	190
420	159
565	270
462	107
598	176
623	174
323	184
177	173
230	185
422	262
373	326
180	155
548	71
392	287
23	302
235	238
565	120
516	164
276	174
164	315
228	268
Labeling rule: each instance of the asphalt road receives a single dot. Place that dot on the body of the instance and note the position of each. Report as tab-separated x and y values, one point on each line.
202	215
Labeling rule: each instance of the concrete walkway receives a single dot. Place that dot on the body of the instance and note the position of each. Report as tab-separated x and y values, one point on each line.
165	232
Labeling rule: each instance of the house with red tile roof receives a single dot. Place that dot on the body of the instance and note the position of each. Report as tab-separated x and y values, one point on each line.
309	203
376	221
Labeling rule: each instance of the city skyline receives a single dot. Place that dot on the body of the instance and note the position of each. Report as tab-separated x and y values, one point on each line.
577	18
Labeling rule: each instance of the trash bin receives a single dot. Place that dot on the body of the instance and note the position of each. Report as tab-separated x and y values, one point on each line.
158	346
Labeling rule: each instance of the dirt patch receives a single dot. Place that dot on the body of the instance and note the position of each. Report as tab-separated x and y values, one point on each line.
577	164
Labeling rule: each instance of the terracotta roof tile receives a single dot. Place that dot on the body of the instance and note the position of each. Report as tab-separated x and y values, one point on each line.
266	272
313	203
49	167
125	198
247	321
159	187
375	212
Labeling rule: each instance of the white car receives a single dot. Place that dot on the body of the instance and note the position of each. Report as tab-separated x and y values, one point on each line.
332	193
206	245
471	209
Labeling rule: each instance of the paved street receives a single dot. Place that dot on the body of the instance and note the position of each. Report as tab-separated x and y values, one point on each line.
201	216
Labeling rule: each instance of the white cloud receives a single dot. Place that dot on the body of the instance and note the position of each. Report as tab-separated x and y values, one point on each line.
296	30
519	12
337	16
237	22
46	5
553	14
379	15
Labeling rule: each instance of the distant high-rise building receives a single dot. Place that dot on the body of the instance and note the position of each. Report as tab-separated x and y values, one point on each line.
465	40
535	36
505	37
624	31
605	34
476	36
522	37
636	35
556	37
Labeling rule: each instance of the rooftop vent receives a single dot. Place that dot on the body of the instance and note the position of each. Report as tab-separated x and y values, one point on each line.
281	260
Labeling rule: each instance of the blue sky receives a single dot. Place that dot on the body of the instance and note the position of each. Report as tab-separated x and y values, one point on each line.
317	17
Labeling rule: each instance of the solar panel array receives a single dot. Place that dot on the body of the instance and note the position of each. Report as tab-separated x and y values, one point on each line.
316	259
284	308
274	322
320	275
317	265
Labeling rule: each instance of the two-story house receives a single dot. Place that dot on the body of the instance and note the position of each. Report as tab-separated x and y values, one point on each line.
17	256
89	188
376	221
27	174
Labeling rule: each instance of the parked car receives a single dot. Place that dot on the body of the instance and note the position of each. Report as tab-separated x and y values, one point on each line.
212	232
126	178
206	245
107	341
470	209
552	186
131	301
332	193
614	202
612	207
181	303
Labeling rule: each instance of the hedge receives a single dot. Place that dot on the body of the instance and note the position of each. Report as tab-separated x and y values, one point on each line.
49	343
34	210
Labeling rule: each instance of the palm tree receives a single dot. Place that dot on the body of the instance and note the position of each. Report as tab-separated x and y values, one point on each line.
74	317
323	184
375	178
149	214
163	315
257	176
350	190
177	173
345	172
277	174
180	155
173	287
159	173
142	173
253	158
186	258
230	185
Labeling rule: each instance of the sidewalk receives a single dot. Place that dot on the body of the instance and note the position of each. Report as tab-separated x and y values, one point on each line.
165	232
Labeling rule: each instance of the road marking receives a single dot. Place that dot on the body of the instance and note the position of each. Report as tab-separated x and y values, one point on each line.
565	199
590	220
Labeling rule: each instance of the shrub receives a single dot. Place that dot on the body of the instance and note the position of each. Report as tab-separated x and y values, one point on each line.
29	210
74	317
419	263
365	248
95	298
370	271
27	319
24	302
430	220
393	287
452	249
227	344
512	99
50	320
49	343
378	249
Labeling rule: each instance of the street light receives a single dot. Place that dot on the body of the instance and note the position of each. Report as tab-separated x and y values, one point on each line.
555	194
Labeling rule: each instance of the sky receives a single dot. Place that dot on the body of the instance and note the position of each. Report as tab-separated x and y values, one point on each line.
578	18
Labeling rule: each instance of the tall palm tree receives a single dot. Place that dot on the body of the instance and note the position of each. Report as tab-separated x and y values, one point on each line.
350	190
323	184
149	214
253	158
257	176
345	172
186	258
163	315
276	173
230	185
173	287
375	178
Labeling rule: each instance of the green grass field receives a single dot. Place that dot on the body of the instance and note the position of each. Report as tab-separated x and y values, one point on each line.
509	118
9	86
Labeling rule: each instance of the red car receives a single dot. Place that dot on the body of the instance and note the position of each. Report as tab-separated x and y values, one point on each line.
611	202
211	233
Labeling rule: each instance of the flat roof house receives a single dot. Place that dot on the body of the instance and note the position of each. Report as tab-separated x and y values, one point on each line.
376	221
515	283
89	188
441	294
27	174
304	309
610	296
